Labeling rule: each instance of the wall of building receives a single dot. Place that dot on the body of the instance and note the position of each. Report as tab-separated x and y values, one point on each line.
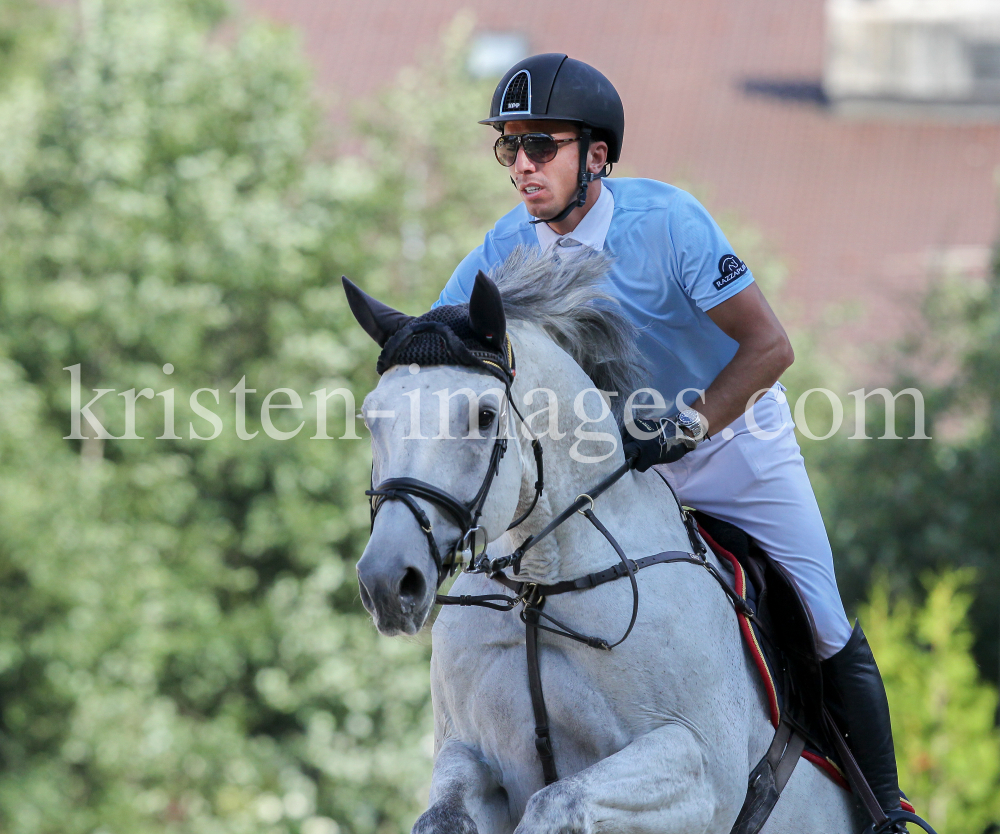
728	94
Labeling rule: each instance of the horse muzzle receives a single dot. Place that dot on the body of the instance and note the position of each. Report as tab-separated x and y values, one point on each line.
398	583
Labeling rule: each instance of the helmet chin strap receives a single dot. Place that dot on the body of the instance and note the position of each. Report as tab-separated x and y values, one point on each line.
584	179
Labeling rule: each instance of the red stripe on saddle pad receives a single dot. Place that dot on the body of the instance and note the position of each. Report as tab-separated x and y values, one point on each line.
748	635
823	763
828	767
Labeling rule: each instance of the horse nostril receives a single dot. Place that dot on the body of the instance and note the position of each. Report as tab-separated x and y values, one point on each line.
412	586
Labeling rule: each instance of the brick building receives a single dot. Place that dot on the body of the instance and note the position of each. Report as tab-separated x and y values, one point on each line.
728	94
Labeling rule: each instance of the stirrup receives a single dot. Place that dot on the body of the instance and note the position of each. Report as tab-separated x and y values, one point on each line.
899	818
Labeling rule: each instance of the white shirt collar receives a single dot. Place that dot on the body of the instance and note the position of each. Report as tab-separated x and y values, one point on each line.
591	231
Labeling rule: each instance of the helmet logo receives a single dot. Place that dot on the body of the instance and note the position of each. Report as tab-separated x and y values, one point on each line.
517	96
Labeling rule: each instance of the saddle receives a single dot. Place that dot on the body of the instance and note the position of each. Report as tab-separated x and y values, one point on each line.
780	636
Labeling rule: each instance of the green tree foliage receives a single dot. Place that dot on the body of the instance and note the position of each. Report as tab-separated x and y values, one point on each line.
947	745
181	643
902	507
25	32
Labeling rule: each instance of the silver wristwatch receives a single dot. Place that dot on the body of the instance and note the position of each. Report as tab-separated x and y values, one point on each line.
693	423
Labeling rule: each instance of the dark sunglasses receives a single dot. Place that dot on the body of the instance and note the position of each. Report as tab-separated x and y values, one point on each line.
538	147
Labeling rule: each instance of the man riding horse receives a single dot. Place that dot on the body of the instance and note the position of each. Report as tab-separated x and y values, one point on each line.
709	339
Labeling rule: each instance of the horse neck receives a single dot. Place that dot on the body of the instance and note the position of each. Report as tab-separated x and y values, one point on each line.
576	548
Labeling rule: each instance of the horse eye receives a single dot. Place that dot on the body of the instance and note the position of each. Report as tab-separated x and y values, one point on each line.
486	418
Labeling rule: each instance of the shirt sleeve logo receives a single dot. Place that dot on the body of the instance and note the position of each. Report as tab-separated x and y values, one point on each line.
730	268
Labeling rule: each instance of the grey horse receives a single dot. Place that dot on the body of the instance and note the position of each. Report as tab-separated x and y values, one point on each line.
654	737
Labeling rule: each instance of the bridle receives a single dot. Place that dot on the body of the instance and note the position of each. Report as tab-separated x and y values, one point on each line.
466	514
531	596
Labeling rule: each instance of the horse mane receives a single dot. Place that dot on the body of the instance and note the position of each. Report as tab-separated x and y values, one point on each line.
566	299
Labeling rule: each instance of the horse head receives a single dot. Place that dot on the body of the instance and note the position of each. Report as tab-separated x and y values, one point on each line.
440	424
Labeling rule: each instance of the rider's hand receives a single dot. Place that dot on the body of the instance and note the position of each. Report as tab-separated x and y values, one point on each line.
665	446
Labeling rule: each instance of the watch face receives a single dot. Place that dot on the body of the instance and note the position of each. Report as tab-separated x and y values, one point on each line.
691	419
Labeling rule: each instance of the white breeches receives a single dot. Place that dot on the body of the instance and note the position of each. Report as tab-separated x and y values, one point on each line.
757	480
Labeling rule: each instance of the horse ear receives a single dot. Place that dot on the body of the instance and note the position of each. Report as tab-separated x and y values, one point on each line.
379	320
486	313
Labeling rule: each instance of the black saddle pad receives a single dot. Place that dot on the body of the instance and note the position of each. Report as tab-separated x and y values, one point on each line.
786	634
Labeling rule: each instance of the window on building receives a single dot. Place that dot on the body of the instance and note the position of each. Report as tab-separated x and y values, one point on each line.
493	53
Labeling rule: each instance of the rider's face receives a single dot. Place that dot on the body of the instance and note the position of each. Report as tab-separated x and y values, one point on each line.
546	187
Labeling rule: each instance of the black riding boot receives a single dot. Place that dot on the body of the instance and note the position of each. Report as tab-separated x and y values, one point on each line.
855	696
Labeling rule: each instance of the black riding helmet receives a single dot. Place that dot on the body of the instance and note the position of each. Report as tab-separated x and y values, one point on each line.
555	86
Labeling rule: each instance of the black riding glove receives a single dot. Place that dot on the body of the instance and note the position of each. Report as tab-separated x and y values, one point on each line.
666	446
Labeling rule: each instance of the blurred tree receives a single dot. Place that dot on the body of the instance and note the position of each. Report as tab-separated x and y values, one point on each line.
181	643
25	31
902	507
947	745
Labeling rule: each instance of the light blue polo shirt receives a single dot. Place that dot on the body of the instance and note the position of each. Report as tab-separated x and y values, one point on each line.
670	264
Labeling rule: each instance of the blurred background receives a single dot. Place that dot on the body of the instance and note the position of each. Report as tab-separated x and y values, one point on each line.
182	182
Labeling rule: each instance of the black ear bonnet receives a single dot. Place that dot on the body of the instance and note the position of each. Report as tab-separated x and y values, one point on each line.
473	335
444	336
